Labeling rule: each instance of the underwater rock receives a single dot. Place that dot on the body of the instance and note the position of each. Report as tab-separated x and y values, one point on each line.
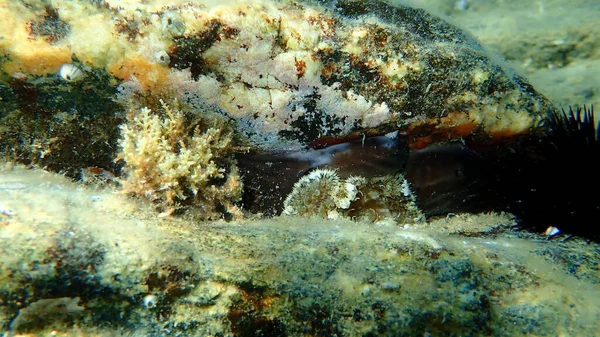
291	73
58	124
138	275
311	76
291	78
287	75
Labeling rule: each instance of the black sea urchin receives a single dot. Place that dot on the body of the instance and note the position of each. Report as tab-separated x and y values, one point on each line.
554	182
545	179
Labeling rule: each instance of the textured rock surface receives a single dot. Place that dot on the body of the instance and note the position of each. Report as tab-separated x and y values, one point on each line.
554	42
142	276
287	72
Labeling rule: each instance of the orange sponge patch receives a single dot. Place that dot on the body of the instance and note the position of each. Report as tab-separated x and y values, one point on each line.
150	75
37	57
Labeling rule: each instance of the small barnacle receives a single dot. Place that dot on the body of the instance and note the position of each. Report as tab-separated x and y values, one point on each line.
150	301
70	73
162	57
173	24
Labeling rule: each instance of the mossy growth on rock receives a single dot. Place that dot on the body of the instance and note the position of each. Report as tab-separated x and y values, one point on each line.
177	166
63	126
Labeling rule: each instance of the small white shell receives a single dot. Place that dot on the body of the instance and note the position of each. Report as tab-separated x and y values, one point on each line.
552	231
150	301
162	57
69	72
